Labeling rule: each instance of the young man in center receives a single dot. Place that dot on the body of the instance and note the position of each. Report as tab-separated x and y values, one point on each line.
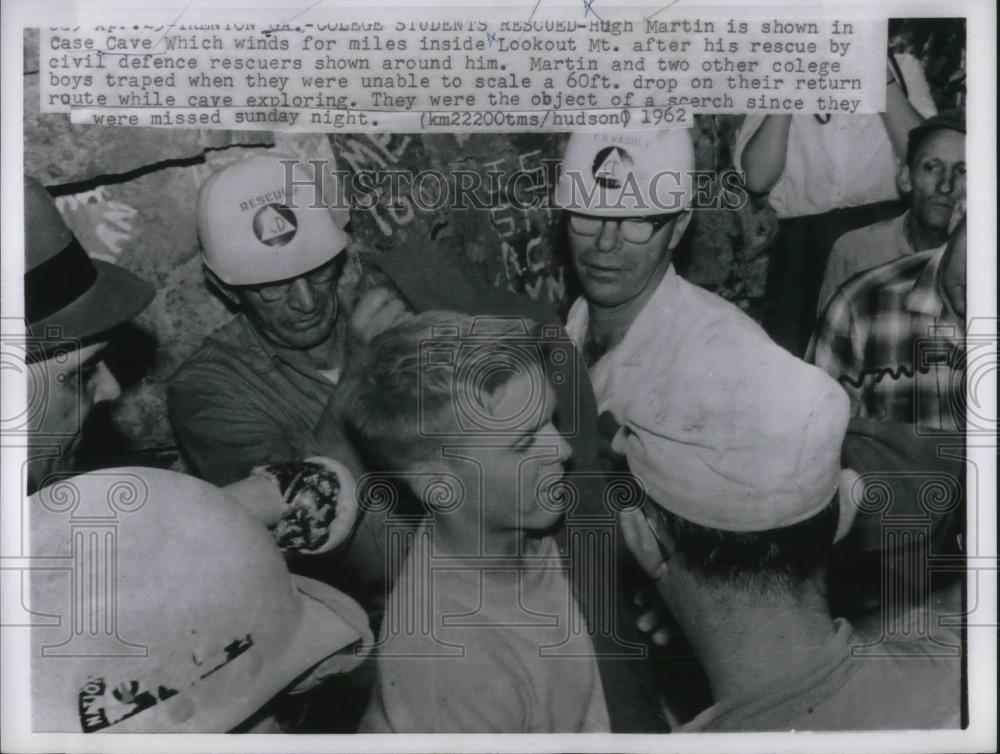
481	633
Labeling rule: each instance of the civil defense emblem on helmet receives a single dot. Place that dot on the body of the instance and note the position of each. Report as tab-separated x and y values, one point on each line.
611	166
274	225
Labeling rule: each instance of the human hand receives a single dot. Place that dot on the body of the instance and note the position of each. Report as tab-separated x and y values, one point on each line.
317	501
378	309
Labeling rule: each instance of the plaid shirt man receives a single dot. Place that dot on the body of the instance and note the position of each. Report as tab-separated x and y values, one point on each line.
895	345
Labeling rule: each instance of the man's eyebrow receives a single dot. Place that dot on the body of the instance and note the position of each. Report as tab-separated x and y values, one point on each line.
529	430
94	359
544	418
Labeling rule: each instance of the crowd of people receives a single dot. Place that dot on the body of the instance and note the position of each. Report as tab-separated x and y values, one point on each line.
497	593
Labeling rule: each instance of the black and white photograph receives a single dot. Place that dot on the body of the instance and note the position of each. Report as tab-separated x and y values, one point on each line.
614	375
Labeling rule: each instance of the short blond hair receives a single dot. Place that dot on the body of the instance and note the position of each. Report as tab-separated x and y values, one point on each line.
405	390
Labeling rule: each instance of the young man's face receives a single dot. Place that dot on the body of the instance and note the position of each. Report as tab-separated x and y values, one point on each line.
299	313
518	475
61	393
936	178
614	269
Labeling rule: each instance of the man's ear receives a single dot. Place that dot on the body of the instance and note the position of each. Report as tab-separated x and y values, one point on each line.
903	179
223	291
680	225
641	542
423	475
850	494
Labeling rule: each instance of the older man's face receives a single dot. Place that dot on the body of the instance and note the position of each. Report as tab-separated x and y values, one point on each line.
62	391
617	260
299	313
937	178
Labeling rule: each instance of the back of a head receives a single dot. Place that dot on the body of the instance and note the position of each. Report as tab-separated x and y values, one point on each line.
627	173
768	562
182	616
262	220
426	380
69	298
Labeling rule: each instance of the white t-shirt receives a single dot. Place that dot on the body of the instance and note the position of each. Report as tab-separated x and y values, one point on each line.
469	646
846	162
680	320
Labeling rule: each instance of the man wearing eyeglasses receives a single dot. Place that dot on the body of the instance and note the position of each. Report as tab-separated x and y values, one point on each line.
255	389
629	198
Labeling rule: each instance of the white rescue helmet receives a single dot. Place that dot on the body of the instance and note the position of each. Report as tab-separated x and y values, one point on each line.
163	607
627	173
251	232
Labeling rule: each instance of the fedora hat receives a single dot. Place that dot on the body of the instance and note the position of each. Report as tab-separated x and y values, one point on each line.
67	295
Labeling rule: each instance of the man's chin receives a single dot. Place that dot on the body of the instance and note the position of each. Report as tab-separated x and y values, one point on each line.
545	525
607	294
307	338
936	218
45	471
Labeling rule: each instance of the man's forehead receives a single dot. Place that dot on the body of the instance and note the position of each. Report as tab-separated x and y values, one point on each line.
70	359
526	394
337	261
943	142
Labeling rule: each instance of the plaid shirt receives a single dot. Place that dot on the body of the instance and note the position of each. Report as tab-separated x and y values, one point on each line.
896	346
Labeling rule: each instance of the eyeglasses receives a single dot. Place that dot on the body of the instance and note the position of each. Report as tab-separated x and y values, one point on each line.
634	229
322	275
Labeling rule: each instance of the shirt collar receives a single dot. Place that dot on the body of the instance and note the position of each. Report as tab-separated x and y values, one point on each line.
273	356
925	297
578	319
903	235
812	674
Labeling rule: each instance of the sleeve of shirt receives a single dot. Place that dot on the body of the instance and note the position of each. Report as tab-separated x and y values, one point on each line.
750	125
918	91
836	274
833	350
440	696
222	438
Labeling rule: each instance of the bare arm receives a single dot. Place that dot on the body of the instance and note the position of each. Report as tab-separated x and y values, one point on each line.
900	116
764	156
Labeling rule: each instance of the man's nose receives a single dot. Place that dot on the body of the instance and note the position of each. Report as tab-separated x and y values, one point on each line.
106	387
565	449
610	236
553	437
301	296
947	183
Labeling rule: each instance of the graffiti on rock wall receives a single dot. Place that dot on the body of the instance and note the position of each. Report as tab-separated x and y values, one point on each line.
494	211
373	153
525	222
108	220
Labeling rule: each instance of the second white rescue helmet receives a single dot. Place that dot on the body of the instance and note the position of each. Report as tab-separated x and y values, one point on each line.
627	173
253	232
